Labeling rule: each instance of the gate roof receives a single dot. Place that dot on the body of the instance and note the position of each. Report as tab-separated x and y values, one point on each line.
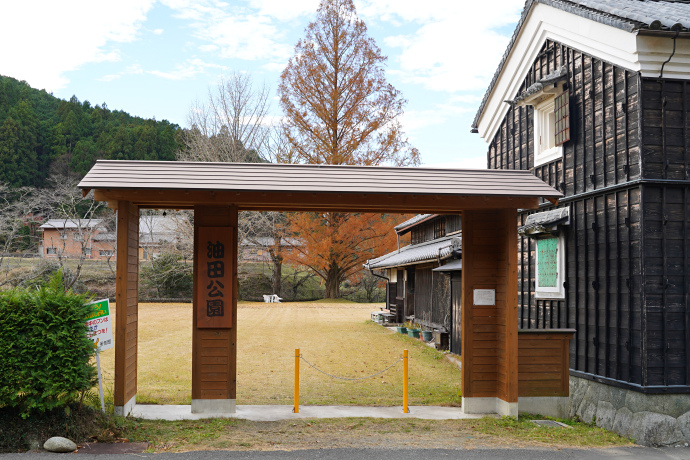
287	187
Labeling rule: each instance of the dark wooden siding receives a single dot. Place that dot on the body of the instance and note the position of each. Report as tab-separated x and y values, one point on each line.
604	150
456	313
627	246
440	310
424	292
666	241
665	121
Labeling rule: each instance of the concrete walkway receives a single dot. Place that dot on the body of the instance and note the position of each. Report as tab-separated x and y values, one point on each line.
273	413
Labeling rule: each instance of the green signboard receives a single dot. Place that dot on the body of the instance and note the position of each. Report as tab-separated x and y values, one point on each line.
547	260
100	328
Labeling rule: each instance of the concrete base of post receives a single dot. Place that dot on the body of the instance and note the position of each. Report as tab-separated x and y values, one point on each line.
125	410
214	406
489	406
552	406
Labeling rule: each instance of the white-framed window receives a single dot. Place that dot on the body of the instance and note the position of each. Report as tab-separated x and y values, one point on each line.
105	253
87	252
545	148
51	251
550	267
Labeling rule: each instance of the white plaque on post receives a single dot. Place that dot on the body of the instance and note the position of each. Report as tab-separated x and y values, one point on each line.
485	296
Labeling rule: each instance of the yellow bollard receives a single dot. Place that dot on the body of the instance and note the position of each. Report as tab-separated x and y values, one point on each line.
296	409
406	409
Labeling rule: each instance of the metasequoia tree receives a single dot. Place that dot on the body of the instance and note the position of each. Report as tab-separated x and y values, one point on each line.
338	107
340	110
335	245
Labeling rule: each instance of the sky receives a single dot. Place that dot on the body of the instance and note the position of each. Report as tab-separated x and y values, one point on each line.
155	58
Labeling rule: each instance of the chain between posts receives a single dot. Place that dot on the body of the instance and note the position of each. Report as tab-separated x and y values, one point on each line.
350	378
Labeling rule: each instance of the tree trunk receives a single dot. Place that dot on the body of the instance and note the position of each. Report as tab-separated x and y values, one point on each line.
333	283
277	259
277	278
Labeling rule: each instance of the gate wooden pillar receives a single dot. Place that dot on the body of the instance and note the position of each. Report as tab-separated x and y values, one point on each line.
489	312
126	304
214	334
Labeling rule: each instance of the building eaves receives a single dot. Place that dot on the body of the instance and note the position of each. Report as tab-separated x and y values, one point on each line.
139	176
408	225
70	223
428	251
628	15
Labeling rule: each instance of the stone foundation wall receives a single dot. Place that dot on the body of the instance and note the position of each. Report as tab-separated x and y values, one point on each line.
651	420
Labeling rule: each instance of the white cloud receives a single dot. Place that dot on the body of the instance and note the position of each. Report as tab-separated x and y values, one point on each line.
251	33
158	31
110	77
188	69
416	120
245	37
285	10
274	66
456	46
64	36
210	48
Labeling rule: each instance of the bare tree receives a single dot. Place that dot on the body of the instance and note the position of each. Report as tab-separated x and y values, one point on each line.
232	125
18	222
267	230
80	220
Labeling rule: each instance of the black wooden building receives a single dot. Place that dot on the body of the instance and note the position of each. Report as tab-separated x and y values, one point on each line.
604	117
424	277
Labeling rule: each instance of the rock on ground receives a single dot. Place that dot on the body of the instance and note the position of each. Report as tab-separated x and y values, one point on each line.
59	444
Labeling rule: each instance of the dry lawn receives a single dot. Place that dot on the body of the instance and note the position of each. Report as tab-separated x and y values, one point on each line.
336	337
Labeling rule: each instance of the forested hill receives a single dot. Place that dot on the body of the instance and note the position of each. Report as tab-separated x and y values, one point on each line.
41	134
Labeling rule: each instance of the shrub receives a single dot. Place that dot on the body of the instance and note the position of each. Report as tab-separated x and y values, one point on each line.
44	347
168	275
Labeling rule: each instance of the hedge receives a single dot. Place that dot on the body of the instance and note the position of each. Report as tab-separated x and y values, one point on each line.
44	350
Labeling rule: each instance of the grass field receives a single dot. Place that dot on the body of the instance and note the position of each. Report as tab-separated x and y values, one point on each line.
336	337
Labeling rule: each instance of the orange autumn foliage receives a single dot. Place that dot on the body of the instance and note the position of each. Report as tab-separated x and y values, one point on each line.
340	110
335	245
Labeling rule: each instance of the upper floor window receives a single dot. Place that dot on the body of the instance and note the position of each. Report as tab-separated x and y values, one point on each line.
440	227
417	236
549	97
545	148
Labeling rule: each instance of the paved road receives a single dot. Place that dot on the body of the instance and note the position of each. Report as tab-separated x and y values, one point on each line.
627	453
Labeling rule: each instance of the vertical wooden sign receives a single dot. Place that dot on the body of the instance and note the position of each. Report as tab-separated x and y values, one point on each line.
214	283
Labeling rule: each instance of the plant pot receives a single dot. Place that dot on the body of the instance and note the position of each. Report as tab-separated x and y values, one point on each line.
413	333
427	335
402	330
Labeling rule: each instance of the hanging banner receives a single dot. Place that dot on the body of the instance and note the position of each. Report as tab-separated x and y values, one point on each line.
213	290
100	327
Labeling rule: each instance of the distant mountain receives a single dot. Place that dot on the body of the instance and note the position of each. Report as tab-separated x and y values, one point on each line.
41	134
